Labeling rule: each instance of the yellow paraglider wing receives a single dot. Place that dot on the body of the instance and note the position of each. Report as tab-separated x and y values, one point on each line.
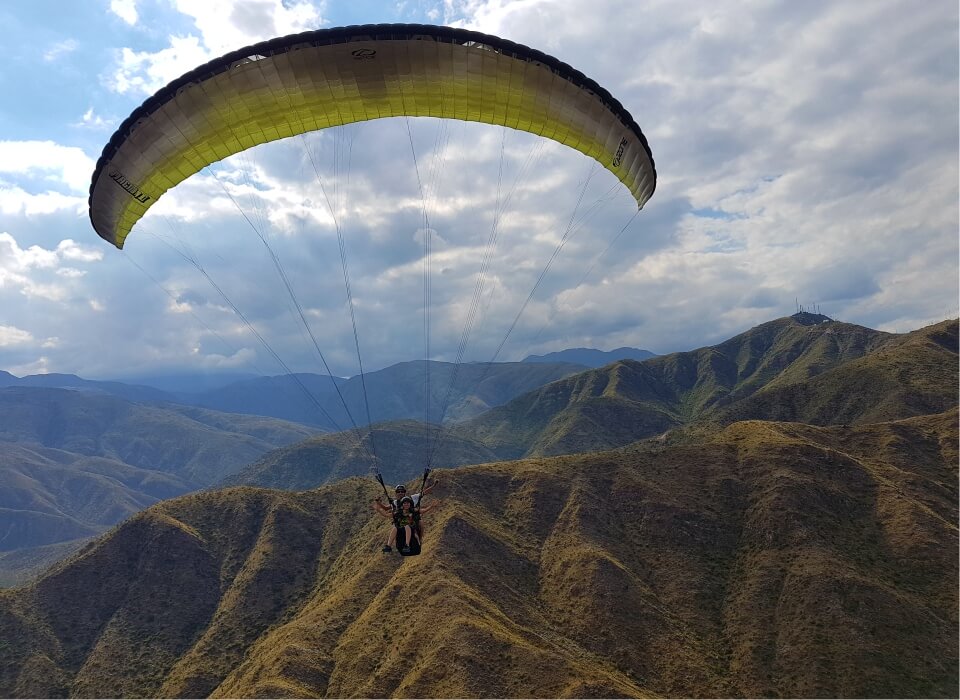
315	80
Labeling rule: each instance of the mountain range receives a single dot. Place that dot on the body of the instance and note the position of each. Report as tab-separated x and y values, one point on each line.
75	462
771	559
398	392
775	515
130	392
456	392
589	357
802	369
805	368
119	447
399	449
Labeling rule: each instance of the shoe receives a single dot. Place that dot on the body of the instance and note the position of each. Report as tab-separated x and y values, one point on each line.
405	550
387	548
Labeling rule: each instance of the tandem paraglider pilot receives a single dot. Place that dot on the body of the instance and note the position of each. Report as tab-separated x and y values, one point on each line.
405	512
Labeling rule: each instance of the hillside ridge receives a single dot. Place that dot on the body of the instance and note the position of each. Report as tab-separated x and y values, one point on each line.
810	368
773	559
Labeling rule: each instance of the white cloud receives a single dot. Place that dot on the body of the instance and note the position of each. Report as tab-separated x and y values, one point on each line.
14	200
10	336
148	71
71	250
92	120
225	25
803	133
222	26
125	10
66	165
61	48
25	269
804	149
238	360
39	366
13	258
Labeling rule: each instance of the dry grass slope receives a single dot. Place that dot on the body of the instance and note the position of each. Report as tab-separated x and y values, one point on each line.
774	559
790	369
399	445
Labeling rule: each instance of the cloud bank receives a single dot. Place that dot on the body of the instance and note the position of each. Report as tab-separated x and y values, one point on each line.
805	151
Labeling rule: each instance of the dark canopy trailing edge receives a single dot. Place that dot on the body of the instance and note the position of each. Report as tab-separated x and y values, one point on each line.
304	82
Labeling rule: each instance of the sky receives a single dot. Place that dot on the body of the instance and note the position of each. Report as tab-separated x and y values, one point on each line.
806	153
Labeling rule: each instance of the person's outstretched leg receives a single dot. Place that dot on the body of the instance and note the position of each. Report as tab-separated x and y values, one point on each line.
391	540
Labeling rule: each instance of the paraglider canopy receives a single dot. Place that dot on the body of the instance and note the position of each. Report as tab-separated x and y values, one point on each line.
310	81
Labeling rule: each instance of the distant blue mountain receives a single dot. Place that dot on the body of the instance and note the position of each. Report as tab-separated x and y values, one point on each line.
588	357
188	383
393	393
130	392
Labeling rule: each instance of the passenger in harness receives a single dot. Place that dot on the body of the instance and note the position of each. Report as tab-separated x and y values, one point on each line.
388	511
407	517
